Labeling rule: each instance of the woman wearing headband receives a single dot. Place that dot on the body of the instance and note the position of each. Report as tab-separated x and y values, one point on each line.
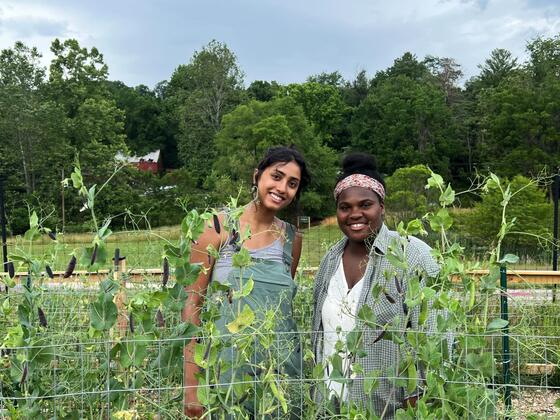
354	273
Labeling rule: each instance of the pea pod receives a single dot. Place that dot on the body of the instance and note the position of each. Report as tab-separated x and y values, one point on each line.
412	377
160	319
472	294
93	255
165	277
42	318
70	268
216	223
390	298
423	312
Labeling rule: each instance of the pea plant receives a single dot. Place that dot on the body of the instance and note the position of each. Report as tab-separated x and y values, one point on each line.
448	360
115	351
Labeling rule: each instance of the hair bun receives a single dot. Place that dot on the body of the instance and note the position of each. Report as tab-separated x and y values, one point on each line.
358	163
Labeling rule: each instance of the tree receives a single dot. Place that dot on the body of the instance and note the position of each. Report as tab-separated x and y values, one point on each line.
529	207
325	109
94	125
496	68
91	124
544	60
405	120
29	124
254	127
333	79
407	197
21	77
447	72
203	91
146	124
520	117
263	91
355	91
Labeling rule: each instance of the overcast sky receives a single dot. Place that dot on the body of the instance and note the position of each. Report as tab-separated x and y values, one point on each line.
282	40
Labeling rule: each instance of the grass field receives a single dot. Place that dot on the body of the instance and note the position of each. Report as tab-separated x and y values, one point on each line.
143	249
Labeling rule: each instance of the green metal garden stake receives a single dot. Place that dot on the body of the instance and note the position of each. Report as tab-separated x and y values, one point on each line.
506	360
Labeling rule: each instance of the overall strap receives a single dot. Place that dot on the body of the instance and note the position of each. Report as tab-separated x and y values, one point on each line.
290	232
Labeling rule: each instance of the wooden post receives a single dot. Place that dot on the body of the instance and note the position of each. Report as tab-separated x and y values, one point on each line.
120	299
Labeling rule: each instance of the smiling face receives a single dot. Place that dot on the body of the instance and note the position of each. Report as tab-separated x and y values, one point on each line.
359	213
278	185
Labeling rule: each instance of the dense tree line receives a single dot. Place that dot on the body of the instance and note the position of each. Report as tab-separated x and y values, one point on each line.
212	128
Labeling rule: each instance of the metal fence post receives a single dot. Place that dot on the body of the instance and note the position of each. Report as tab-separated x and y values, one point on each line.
555	187
506	360
3	226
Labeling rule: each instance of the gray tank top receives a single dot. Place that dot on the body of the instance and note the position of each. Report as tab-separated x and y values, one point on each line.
222	266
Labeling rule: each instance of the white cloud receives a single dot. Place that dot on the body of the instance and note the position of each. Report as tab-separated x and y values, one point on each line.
286	40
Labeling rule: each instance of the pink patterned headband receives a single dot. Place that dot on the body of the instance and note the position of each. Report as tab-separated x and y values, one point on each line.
360	180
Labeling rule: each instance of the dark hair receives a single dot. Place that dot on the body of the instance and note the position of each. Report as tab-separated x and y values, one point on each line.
360	163
285	154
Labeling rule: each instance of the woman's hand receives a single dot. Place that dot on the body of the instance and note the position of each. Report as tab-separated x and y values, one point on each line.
192	408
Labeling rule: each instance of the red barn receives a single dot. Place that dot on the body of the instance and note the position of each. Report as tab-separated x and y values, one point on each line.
151	162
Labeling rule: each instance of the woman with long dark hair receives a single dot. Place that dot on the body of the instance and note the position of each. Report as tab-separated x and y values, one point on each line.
274	247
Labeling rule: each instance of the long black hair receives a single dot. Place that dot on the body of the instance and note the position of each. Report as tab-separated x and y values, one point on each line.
285	154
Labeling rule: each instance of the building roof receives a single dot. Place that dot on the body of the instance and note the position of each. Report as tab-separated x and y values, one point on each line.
150	157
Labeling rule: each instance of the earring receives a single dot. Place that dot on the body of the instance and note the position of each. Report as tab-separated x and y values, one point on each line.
255	193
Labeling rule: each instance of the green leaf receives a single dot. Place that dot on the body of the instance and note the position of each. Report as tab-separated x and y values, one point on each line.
76	177
243	320
174	255
241	258
366	315
413	295
441	221
212	251
91	196
412	379
396	256
509	259
104	232
192	225
497	324
245	290
187	273
415	227
336	362
495	178
447	197
271	379
32	233
100	259
435	181
354	340
103	312
33	220
370	383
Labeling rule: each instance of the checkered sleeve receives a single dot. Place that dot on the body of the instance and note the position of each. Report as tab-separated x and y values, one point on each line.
422	265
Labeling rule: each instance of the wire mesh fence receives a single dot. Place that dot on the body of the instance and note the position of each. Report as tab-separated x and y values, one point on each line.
135	368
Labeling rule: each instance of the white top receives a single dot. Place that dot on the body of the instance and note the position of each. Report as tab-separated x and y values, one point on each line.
339	317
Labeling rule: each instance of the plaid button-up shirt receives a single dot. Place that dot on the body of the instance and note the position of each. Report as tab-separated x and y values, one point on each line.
380	356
